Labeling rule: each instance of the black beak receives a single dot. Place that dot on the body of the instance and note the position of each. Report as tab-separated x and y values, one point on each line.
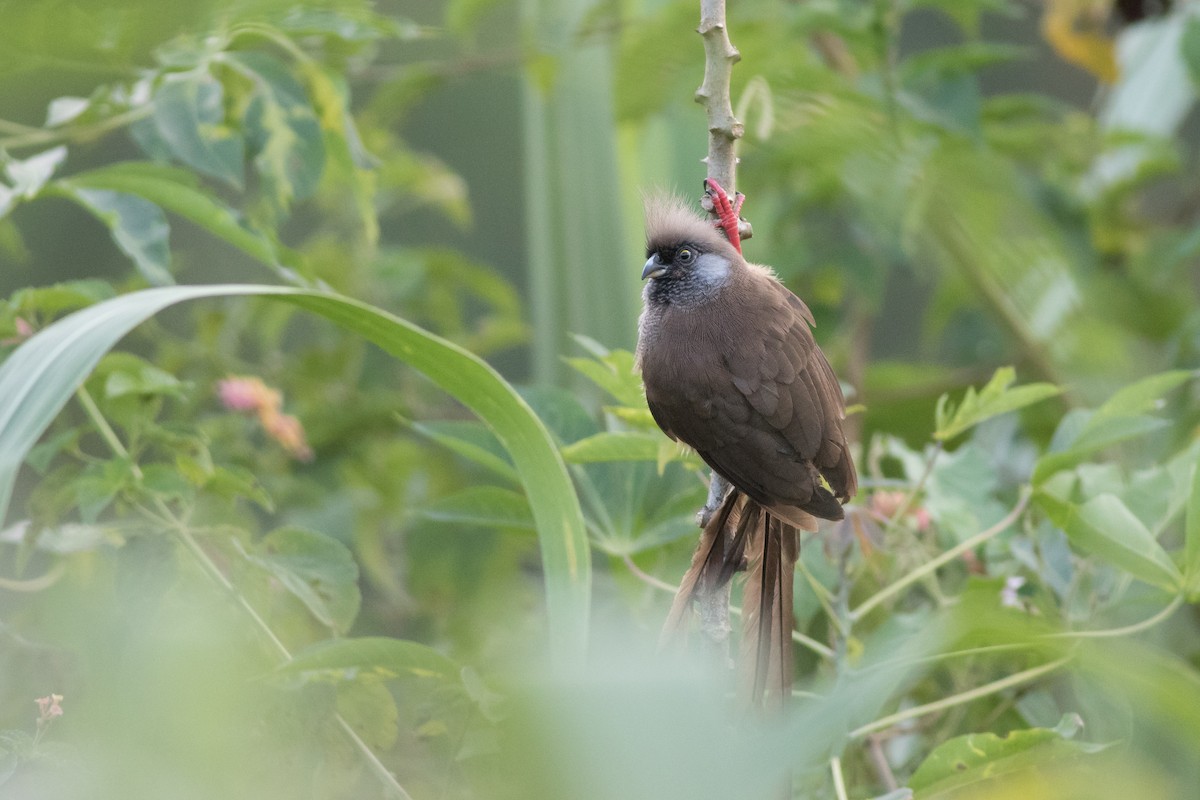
653	267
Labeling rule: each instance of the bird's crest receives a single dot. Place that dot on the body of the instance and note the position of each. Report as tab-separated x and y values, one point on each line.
670	220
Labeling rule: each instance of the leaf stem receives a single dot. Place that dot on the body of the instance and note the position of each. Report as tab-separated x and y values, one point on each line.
839	782
960	698
951	554
1126	630
43	136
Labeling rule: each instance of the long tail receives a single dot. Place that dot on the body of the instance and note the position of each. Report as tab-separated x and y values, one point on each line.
743	533
765	662
715	560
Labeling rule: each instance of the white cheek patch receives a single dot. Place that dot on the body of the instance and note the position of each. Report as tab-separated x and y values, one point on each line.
711	269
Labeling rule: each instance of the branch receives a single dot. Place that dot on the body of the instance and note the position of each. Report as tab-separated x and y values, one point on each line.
723	128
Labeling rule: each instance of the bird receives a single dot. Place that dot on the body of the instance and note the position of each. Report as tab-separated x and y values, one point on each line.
731	369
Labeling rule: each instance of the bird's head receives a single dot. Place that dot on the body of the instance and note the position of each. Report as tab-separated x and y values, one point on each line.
687	259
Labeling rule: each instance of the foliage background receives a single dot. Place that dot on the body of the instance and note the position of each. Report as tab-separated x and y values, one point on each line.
357	587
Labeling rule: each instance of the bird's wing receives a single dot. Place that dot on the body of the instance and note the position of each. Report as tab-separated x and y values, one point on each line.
791	389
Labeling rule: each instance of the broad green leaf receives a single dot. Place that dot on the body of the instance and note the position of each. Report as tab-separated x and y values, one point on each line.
138	226
489	506
614	374
370	709
317	569
189	122
145	380
373	656
37	380
289	152
1144	395
994	399
978	757
1191	552
471	441
615	446
1122	417
176	191
1105	526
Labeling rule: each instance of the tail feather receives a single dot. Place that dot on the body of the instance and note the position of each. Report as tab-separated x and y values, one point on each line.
708	569
743	530
765	662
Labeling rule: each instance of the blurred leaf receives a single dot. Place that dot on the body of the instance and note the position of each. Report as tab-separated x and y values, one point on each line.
282	128
28	176
317	569
177	192
367	657
1103	525
370	710
59	297
189	123
977	758
138	226
145	380
473	442
15	747
72	538
1120	418
1191	553
994	399
489	506
35	385
615	446
1189	47
1076	32
615	374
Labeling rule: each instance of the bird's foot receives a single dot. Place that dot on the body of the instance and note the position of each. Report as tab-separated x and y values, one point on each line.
728	212
718	487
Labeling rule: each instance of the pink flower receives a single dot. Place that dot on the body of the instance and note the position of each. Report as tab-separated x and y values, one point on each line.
240	393
886	504
287	430
24	331
49	708
245	394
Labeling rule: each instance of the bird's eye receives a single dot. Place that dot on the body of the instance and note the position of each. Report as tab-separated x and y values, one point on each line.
685	256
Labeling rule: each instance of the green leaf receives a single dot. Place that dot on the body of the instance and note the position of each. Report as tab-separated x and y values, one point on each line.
1191	551
317	569
368	657
28	176
471	441
175	191
1190	48
1144	395
489	506
970	760
189	122
39	376
615	374
1106	527
1120	418
370	710
284	132
144	380
994	399
615	446
138	226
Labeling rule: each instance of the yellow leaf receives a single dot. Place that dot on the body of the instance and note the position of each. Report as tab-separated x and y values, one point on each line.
1075	29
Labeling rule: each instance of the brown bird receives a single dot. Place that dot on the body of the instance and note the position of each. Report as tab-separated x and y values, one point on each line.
731	369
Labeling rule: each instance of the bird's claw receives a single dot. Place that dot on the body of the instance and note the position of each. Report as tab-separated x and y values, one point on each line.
728	212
